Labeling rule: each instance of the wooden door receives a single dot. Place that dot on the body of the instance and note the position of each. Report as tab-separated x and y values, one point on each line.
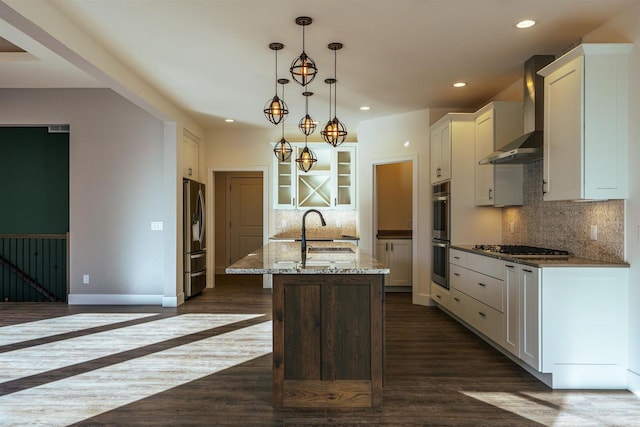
245	216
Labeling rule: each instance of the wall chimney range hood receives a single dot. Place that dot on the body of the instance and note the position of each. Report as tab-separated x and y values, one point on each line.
528	147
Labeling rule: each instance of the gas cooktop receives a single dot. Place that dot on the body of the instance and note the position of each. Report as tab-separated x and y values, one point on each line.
521	251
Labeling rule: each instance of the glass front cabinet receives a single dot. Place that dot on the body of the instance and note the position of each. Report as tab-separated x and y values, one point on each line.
329	184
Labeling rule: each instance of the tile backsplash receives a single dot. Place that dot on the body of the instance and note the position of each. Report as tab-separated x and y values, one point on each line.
288	223
564	225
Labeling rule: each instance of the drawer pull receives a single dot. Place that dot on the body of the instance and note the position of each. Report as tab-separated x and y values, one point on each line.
509	266
482	284
456	299
438	296
482	314
456	257
456	274
528	271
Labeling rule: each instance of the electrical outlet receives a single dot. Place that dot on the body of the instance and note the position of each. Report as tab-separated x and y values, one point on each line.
512	228
338	223
283	224
157	225
594	232
85	279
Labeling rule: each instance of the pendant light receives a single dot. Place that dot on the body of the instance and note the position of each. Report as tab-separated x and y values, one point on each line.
334	132
307	125
303	68
307	158
283	149
276	110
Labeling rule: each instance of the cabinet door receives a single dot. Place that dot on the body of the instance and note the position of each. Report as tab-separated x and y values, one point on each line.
563	117
530	317
400	264
484	146
512	308
190	158
382	251
285	183
344	177
441	153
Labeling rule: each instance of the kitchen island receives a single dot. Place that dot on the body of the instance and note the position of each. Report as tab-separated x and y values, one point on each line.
328	323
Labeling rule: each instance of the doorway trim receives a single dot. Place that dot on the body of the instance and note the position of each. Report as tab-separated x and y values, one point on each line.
266	281
413	158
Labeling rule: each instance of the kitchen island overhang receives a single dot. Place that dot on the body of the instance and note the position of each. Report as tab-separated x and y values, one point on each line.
328	324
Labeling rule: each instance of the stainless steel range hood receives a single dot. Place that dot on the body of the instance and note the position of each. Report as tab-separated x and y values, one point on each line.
528	147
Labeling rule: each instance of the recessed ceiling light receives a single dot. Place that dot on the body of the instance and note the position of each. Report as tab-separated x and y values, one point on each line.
459	84
229	120
365	108
526	23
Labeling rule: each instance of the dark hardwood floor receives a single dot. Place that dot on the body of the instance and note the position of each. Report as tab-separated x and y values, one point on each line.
437	373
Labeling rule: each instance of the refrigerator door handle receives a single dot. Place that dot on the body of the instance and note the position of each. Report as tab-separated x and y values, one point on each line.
202	215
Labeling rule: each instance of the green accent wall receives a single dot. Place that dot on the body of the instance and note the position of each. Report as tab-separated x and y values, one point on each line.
34	181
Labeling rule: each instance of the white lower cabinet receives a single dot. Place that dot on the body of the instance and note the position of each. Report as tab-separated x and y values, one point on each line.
397	255
570	324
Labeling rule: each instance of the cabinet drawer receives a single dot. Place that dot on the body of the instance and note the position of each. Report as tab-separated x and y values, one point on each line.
485	319
486	265
458	277
459	304
441	295
458	257
485	289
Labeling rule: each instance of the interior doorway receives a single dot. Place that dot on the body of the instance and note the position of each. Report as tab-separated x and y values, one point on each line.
393	219
239	217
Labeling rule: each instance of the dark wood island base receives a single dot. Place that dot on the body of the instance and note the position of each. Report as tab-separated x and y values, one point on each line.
328	340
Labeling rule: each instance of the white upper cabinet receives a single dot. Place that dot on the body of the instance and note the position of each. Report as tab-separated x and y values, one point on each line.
329	184
441	151
190	156
586	123
497	124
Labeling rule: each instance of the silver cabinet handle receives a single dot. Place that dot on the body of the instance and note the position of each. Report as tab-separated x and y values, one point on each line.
482	284
456	299
528	271
456	257
456	274
490	196
438	296
509	266
544	191
482	314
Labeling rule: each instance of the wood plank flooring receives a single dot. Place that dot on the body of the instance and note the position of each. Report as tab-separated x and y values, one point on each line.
437	372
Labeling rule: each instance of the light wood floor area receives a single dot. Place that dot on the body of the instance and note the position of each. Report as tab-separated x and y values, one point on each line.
208	363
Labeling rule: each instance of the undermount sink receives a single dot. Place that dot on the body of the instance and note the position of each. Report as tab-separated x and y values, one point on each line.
331	249
324	265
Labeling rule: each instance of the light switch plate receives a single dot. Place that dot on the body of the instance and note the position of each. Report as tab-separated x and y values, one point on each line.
594	232
85	279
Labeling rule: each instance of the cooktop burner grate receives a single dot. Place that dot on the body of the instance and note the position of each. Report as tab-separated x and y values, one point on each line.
522	251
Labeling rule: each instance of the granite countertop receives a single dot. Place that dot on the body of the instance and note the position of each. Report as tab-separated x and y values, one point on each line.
285	258
542	263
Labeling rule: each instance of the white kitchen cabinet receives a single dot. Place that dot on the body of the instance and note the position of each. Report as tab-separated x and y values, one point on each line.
441	150
397	255
441	295
522	318
190	157
497	124
329	184
586	123
567	325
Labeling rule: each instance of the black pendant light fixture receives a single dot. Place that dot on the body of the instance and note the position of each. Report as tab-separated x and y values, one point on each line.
303	68
307	158
276	110
283	149
307	125
334	132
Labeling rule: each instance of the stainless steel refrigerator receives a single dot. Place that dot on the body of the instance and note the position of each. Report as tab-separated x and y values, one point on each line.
195	248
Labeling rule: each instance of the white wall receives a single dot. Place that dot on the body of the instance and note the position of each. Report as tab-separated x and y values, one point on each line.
382	141
626	28
117	187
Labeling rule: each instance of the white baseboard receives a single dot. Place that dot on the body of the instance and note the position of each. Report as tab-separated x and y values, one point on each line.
173	301
633	381
115	299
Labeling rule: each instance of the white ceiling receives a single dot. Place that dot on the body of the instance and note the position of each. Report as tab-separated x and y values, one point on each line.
211	57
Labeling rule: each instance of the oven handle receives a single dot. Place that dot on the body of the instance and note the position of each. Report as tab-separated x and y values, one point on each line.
441	245
440	198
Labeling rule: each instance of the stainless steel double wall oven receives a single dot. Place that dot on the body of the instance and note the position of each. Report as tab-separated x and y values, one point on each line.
440	233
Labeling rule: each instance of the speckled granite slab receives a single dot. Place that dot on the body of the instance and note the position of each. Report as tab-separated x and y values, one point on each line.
546	262
286	258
